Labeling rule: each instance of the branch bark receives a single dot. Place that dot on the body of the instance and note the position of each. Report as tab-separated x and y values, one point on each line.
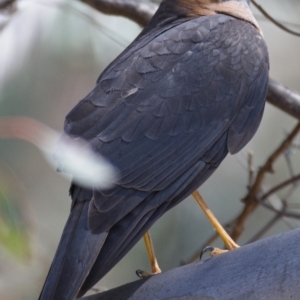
284	98
137	11
6	4
265	270
251	202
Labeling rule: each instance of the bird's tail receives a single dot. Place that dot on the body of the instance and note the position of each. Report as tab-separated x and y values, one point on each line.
75	256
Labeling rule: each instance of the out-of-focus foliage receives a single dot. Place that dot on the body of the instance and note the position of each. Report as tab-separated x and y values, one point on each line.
50	56
14	224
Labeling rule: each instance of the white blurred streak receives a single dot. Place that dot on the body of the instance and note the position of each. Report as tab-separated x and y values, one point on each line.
17	39
73	156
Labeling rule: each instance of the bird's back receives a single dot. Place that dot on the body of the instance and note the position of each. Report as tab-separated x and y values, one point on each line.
166	112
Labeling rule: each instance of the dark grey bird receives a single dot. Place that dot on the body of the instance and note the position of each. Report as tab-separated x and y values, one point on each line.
166	112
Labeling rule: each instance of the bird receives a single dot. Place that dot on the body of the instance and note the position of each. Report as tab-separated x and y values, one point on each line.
187	91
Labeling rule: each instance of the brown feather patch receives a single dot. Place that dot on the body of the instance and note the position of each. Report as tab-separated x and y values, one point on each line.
232	8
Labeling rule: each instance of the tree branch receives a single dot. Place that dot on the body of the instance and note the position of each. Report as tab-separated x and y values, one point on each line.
139	11
6	4
284	98
269	17
267	269
280	186
250	200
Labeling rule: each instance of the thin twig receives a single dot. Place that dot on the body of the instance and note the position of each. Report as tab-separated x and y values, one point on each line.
7	4
250	200
287	156
269	17
138	11
90	18
264	229
250	168
283	212
280	186
268	166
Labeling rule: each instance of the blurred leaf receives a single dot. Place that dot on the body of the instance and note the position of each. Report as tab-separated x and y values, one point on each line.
14	236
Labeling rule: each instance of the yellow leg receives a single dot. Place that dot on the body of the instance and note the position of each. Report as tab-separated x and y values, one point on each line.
151	253
228	241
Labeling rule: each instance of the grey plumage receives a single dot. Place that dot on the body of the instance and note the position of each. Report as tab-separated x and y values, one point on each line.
166	112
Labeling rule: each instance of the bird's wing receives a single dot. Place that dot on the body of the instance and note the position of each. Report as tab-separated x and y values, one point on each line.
162	109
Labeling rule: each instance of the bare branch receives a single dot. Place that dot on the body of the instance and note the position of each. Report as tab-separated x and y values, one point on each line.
284	98
265	228
269	17
280	186
282	211
250	200
250	168
139	11
6	4
267	269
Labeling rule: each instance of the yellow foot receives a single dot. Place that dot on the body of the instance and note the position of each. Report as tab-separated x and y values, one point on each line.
213	251
228	241
143	274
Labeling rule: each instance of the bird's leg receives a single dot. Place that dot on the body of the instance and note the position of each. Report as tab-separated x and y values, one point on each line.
228	241
155	269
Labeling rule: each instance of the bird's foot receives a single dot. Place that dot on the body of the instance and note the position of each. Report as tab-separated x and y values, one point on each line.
144	274
228	241
214	251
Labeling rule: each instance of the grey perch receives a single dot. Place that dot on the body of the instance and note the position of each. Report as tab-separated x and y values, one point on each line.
264	270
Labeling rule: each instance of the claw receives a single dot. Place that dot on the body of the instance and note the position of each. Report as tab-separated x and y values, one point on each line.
206	249
142	274
213	251
228	241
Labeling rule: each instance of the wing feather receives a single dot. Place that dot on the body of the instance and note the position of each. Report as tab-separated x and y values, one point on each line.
189	95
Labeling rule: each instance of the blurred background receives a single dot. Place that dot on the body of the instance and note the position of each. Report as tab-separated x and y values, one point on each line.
51	54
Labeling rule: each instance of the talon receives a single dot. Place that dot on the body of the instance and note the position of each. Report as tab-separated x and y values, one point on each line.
217	251
206	249
213	251
142	274
228	241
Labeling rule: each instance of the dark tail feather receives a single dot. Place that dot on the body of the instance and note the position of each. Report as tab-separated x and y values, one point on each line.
75	256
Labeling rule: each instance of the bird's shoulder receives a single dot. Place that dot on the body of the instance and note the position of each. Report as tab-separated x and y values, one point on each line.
186	69
163	104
